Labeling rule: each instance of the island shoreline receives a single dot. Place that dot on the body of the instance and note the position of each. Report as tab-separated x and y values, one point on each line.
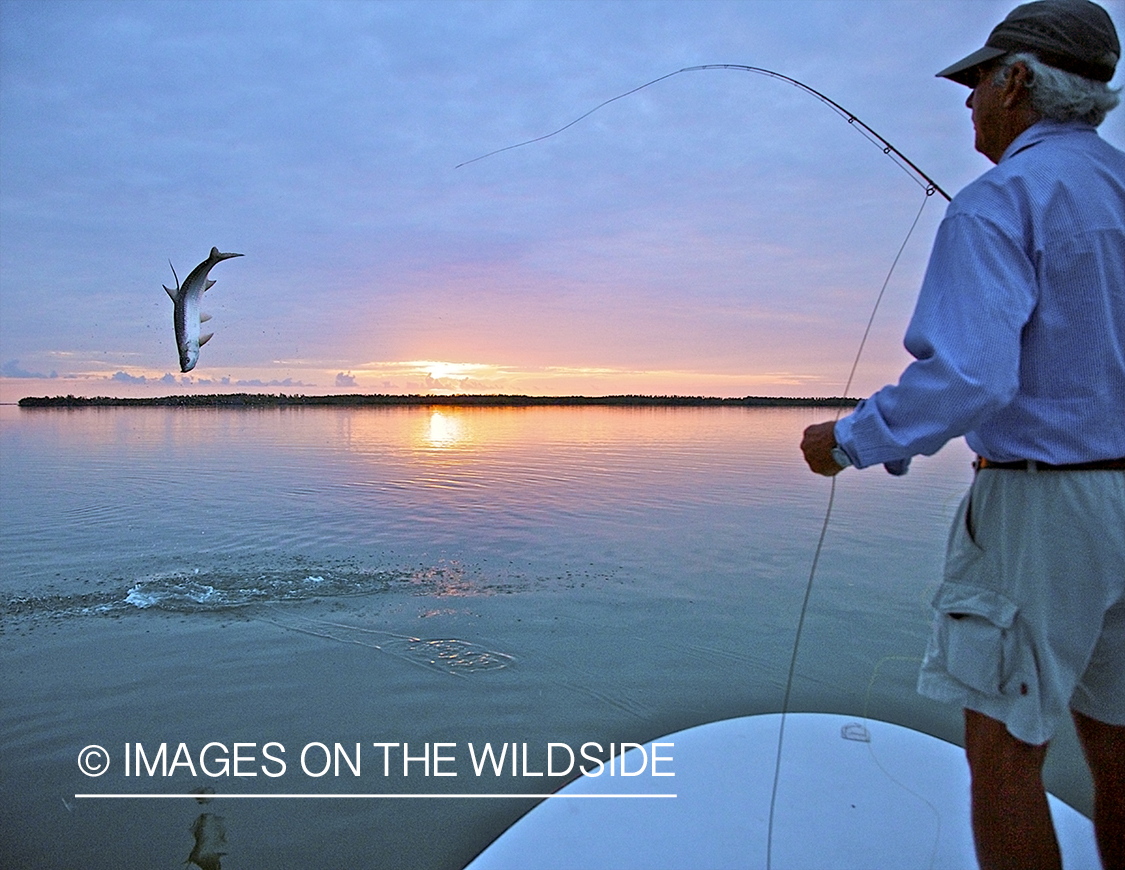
459	400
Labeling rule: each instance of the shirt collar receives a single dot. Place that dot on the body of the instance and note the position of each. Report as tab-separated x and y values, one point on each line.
1041	130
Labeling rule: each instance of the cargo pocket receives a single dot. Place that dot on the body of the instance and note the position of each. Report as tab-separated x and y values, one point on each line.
975	635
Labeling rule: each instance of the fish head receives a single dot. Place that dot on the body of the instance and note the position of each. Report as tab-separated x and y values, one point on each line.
189	356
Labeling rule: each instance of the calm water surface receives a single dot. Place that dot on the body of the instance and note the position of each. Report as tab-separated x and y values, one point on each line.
420	576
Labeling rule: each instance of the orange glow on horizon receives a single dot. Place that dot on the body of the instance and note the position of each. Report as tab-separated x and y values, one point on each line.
436	377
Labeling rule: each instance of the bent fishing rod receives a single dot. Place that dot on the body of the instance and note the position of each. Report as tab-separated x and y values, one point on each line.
871	135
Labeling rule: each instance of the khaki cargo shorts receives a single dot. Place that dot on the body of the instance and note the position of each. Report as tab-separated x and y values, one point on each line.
1030	617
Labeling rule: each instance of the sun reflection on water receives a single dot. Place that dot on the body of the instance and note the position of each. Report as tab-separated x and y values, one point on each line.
445	430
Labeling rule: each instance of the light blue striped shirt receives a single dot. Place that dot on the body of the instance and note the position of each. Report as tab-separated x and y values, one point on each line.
1018	334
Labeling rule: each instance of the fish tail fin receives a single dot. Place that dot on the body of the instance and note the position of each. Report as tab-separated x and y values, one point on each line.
173	293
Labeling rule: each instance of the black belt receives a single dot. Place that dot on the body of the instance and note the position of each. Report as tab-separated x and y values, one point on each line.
1026	464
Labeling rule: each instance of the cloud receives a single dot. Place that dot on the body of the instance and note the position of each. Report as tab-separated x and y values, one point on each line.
430	384
256	382
345	380
171	380
126	378
12	369
168	379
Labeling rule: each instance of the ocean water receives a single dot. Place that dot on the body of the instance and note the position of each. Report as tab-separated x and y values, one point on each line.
333	602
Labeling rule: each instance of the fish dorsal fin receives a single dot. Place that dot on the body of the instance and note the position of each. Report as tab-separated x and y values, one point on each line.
215	253
203	339
210	284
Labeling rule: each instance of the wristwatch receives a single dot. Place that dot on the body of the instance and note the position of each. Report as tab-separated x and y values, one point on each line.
840	457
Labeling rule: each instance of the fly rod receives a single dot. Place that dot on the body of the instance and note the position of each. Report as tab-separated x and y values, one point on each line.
890	150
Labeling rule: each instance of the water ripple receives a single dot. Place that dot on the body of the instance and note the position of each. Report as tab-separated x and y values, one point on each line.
450	655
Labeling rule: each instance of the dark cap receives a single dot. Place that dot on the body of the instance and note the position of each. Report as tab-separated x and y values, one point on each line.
1072	35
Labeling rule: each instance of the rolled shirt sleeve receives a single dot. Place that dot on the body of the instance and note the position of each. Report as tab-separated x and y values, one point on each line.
977	296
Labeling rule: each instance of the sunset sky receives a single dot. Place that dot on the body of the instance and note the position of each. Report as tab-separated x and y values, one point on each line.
718	233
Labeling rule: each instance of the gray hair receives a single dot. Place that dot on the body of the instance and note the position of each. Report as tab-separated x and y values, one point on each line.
1060	95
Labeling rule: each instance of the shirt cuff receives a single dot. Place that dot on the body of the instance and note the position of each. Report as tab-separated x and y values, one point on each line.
844	440
842	433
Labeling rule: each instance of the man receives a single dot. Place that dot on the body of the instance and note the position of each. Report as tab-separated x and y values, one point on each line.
1019	345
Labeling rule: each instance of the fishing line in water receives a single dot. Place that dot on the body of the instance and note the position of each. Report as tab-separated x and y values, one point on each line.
930	187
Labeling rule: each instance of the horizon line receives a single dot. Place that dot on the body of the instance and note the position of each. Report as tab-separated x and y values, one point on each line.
236	400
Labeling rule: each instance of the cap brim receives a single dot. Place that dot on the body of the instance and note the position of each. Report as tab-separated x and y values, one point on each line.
962	72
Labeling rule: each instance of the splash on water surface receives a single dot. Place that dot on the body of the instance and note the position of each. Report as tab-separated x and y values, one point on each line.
229	589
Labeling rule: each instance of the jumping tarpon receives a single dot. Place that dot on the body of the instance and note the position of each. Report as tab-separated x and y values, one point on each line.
186	313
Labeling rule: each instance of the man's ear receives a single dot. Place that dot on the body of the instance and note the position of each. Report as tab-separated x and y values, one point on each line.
1016	85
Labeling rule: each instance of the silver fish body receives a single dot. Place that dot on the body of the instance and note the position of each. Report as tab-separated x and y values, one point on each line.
187	312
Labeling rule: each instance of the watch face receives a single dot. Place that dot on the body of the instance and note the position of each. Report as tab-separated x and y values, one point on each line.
840	457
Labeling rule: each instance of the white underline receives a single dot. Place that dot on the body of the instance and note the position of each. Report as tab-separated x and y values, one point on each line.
208	797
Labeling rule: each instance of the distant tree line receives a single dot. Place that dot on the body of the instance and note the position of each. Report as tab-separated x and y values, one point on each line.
263	400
